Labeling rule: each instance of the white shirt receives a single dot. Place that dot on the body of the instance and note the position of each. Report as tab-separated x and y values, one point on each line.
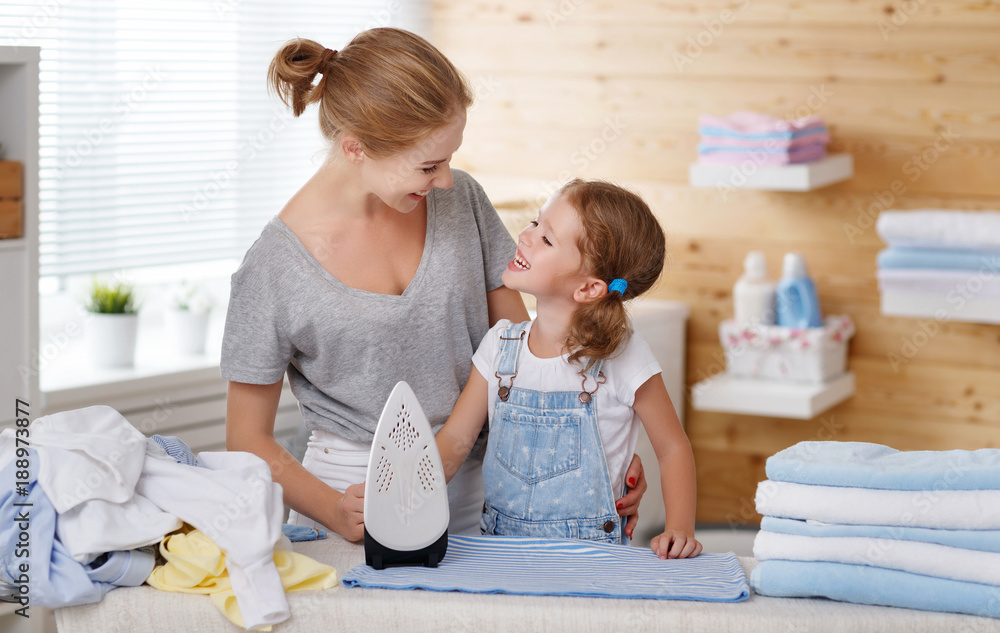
617	423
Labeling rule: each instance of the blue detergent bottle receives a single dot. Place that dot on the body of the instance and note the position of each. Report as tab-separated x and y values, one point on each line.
795	296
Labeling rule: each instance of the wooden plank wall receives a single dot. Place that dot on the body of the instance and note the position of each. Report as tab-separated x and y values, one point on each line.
613	89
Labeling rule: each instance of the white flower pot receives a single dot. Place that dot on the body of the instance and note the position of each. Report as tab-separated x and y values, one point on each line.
187	330
112	339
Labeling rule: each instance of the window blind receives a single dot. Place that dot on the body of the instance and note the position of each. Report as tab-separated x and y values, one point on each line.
159	143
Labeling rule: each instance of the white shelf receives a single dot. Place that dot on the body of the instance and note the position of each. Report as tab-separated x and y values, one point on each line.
803	401
937	306
798	177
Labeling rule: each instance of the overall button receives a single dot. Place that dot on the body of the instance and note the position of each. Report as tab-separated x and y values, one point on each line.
609	527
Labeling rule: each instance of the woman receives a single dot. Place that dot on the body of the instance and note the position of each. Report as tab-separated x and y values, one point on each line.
384	266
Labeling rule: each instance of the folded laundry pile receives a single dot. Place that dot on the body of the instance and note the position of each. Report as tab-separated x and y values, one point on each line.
945	257
761	138
865	523
85	494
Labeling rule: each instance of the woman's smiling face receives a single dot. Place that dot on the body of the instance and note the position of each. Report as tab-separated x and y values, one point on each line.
403	180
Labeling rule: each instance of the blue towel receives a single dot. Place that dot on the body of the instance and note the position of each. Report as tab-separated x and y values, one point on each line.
297	533
863	465
564	567
708	130
980	540
873	585
922	258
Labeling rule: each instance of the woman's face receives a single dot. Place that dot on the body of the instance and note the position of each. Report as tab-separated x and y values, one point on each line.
403	180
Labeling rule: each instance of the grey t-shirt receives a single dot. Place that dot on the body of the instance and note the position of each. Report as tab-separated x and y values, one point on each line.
344	349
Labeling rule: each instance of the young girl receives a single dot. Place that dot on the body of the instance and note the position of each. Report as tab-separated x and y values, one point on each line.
562	392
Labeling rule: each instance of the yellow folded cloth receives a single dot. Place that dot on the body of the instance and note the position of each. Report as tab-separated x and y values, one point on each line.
195	564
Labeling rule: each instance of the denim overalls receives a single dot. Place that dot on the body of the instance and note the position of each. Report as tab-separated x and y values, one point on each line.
545	473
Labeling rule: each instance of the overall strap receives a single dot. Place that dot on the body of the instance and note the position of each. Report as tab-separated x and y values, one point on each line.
510	348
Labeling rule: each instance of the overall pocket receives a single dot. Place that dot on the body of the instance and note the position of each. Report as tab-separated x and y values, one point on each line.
536	447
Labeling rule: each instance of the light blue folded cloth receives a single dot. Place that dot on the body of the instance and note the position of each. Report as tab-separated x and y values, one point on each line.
299	533
873	585
980	540
564	567
709	130
922	258
863	465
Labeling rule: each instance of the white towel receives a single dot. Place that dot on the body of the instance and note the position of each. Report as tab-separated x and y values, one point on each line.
948	509
929	559
932	228
952	285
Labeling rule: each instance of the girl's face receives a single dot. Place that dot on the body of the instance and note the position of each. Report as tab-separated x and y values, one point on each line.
548	262
403	180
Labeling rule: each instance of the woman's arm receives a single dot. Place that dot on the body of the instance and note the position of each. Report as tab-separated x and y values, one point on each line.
504	303
250	412
459	433
677	473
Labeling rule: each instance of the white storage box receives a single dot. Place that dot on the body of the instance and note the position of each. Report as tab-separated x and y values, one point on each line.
771	352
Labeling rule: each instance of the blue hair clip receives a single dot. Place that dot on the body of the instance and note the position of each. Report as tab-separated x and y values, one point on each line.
619	286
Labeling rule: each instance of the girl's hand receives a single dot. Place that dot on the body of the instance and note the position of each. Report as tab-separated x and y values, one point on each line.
628	506
675	544
351	513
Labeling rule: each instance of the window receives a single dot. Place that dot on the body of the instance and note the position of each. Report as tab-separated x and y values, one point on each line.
159	144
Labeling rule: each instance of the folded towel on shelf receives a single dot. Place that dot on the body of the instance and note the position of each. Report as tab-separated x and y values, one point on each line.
927	228
806	154
946	509
748	124
929	559
873	585
818	136
982	540
936	258
866	465
564	567
980	284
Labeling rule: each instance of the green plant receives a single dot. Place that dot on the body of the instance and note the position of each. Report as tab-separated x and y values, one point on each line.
111	298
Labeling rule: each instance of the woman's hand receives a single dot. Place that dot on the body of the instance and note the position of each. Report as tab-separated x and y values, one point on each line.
350	513
675	544
628	506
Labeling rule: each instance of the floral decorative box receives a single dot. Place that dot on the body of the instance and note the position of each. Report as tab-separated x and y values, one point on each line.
772	352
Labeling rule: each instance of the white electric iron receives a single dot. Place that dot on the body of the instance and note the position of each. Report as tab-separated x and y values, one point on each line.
406	498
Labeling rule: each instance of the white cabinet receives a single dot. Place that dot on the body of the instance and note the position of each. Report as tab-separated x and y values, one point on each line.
19	257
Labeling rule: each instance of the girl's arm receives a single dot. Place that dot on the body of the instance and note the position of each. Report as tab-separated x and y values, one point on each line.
459	433
677	474
250	412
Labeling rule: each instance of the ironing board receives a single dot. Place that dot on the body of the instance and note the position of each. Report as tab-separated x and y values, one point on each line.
147	610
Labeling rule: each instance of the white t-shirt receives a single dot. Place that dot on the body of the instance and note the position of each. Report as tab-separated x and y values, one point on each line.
617	424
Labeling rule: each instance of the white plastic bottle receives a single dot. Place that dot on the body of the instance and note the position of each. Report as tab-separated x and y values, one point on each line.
753	294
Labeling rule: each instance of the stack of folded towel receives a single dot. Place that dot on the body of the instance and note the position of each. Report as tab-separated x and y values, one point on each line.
953	256
761	138
865	523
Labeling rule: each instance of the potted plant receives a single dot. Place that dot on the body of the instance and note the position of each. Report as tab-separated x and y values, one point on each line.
113	324
187	318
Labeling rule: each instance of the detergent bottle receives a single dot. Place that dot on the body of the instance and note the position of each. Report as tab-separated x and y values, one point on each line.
795	297
753	294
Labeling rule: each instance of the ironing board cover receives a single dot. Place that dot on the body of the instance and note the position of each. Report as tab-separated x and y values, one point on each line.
564	567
